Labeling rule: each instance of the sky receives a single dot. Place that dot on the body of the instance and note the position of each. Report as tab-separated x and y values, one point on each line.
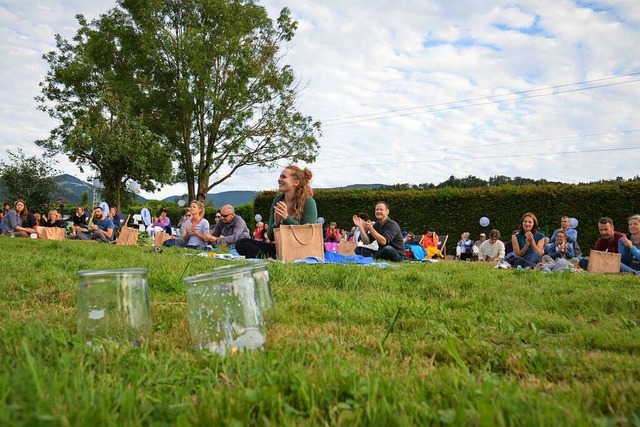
412	91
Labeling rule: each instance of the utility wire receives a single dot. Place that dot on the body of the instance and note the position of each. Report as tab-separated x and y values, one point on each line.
489	100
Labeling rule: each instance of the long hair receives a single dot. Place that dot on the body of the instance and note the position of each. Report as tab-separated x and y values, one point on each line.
303	191
24	212
536	225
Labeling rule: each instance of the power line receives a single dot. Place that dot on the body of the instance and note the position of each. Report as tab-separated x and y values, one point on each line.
515	96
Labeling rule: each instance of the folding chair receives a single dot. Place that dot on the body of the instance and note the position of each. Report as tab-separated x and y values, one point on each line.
442	246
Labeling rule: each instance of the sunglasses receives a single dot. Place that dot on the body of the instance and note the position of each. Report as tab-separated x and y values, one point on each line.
224	216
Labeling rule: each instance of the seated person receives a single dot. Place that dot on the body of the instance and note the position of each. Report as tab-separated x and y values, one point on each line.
477	243
410	237
358	238
229	229
194	230
160	224
332	235
492	249
102	231
629	247
528	242
561	248
37	217
18	222
565	225
117	218
54	219
258	231
608	241
430	242
80	221
385	231
463	247
343	234
294	205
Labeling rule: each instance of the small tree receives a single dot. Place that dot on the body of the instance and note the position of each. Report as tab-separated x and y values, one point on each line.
29	178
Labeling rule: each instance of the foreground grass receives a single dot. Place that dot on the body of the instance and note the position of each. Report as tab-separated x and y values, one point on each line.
447	343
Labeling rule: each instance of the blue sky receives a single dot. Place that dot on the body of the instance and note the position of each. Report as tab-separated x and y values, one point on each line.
415	91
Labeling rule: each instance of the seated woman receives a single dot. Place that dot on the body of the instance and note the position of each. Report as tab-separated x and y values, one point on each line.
18	222
160	224
561	248
629	247
464	247
528	242
54	219
430	242
195	229
258	232
332	237
293	206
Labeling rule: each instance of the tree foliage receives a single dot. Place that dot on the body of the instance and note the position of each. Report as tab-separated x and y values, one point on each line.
207	75
29	178
87	89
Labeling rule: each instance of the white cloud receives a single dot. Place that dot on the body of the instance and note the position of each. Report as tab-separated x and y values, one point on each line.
386	80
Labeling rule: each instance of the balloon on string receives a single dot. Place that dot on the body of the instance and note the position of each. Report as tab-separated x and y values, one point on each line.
484	221
573	223
181	203
146	216
320	220
258	217
105	207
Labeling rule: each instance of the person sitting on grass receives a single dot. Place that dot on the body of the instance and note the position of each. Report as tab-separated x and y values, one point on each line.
18	222
80	221
560	248
491	250
54	219
464	249
629	247
102	230
385	231
194	230
294	205
160	224
528	242
608	241
229	229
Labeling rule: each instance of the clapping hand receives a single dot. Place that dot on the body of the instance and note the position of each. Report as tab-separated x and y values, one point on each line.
281	211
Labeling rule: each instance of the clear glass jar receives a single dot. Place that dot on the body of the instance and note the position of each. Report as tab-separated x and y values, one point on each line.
263	289
223	311
114	305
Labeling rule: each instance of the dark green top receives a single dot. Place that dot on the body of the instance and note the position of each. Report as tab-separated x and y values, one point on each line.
309	215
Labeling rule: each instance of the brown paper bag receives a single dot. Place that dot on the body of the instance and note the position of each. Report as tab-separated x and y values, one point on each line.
51	233
299	241
128	237
347	248
603	262
160	237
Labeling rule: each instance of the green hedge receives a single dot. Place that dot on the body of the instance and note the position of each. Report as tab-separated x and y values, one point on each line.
453	210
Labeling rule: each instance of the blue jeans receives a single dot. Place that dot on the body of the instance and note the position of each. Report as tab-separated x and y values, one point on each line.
385	252
528	260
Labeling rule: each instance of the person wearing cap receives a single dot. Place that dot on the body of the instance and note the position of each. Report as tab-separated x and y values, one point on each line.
476	245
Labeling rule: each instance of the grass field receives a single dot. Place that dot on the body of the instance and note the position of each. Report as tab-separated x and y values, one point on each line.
421	344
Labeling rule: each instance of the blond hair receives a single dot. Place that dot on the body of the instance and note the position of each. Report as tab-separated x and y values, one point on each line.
303	191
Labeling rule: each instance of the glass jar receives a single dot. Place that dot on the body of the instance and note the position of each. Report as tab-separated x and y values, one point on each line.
223	311
114	305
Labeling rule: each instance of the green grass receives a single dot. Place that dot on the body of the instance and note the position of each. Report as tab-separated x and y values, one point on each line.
422	344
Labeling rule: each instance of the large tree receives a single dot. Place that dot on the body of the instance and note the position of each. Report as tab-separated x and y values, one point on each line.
31	178
208	76
89	89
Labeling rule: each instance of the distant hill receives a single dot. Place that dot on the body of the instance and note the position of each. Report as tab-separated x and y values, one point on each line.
72	188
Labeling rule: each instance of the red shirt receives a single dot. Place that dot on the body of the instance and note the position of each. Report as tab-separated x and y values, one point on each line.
605	245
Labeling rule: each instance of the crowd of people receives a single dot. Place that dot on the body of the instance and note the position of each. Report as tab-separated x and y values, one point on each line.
381	238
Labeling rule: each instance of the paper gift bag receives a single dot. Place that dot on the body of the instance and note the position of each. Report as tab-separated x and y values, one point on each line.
52	233
347	248
299	241
603	262
128	237
160	237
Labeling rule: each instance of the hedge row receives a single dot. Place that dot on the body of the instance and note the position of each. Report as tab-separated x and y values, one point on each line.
453	210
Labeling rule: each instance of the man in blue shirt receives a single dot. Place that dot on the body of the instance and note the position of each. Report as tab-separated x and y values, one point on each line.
102	230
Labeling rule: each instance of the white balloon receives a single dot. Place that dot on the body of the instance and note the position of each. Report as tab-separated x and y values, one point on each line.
105	207
320	220
573	223
484	221
181	203
258	217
